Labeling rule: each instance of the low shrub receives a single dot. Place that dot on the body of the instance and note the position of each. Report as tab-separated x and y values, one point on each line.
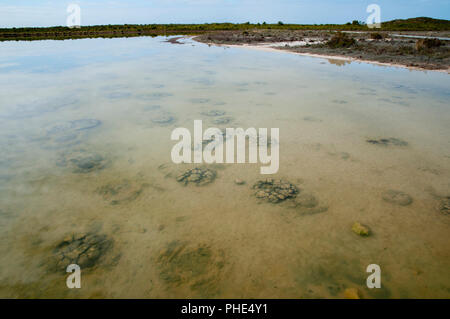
341	40
376	36
424	44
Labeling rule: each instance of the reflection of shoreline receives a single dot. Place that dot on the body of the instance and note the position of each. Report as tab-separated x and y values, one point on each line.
338	62
328	57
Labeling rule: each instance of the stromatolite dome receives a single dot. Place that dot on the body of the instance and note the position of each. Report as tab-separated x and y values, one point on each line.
197	176
82	161
275	191
84	249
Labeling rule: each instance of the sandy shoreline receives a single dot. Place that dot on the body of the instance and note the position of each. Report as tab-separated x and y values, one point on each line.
265	47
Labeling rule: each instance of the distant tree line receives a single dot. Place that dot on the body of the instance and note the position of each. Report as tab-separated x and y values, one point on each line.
132	30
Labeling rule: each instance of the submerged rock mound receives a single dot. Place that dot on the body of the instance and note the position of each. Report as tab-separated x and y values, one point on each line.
213	113
391	141
163	119
306	204
82	161
38	107
197	176
199	100
205	142
154	96
76	125
122	192
198	267
275	191
444	206
397	197
223	120
67	134
85	250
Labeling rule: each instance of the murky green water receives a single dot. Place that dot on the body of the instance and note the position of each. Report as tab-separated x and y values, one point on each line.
86	174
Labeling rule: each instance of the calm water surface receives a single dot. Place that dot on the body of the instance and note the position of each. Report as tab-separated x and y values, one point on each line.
86	174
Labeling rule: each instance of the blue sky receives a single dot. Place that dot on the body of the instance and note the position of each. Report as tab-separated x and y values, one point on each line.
53	12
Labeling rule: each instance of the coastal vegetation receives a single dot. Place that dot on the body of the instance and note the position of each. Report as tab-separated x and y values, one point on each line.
341	40
418	49
134	30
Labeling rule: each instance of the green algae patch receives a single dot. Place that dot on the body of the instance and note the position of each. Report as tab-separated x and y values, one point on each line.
360	230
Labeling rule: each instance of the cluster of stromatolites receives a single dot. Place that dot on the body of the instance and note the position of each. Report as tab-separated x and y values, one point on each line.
275	190
198	176
81	249
444	206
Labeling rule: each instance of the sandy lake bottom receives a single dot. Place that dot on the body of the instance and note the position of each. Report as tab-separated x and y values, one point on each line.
86	175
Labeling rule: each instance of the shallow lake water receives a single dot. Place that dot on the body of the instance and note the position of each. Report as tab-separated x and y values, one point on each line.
86	174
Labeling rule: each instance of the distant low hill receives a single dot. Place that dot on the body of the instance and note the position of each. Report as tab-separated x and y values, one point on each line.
417	24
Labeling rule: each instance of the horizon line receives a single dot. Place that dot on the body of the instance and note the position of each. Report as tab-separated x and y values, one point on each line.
206	23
